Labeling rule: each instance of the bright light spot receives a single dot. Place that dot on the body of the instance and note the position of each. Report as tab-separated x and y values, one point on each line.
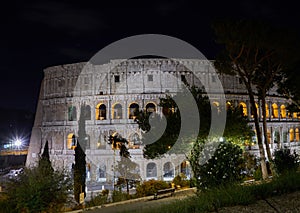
18	142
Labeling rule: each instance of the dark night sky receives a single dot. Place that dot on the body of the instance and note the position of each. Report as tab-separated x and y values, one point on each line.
38	34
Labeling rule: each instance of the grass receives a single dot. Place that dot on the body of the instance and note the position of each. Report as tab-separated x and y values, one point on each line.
231	195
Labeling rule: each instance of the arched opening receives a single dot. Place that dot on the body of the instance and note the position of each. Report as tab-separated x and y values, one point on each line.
133	110
102	173
71	141
169	172
150	107
295	115
257	110
297	136
185	168
292	136
243	107
101	112
151	172
267	111
282	111
274	110
72	113
117	111
88	171
134	141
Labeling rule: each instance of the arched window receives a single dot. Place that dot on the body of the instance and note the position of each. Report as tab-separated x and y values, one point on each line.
292	136
243	107
185	169
135	141
297	136
274	110
117	111
88	171
71	141
72	113
267	111
295	115
168	174
252	111
101	112
133	110
151	172
87	112
282	111
102	173
150	107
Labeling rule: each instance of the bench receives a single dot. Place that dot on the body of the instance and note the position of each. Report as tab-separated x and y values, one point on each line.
164	192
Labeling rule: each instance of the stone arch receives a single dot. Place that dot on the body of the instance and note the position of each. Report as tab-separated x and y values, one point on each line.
133	110
185	168
151	171
72	113
117	111
267	111
101	111
243	107
71	141
292	134
168	171
282	111
101	173
275	110
297	136
150	107
257	110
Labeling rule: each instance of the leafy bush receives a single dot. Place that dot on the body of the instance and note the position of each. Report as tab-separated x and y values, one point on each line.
181	180
120	196
223	167
97	201
39	189
150	187
285	161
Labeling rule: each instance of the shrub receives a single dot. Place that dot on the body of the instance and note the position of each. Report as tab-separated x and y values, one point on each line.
225	166
39	189
98	200
150	187
120	196
181	180
285	161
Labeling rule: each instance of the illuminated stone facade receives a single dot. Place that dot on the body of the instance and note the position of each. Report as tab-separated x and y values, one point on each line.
111	92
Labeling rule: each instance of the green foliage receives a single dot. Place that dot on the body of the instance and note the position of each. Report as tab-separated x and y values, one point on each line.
98	200
257	175
181	180
150	187
220	167
237	129
230	195
39	189
118	196
285	161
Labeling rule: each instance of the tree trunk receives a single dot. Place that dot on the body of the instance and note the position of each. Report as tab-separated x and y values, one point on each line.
265	128
258	134
127	186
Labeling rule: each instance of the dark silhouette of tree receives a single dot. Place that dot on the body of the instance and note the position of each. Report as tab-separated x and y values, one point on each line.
79	171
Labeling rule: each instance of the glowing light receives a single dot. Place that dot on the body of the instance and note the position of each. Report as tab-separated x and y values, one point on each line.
18	142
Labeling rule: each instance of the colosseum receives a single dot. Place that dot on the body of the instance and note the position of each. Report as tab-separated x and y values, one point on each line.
111	92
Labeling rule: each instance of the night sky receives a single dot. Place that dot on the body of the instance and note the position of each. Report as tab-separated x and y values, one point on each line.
38	34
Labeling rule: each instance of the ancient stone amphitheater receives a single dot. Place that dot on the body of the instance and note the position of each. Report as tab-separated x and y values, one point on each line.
111	92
